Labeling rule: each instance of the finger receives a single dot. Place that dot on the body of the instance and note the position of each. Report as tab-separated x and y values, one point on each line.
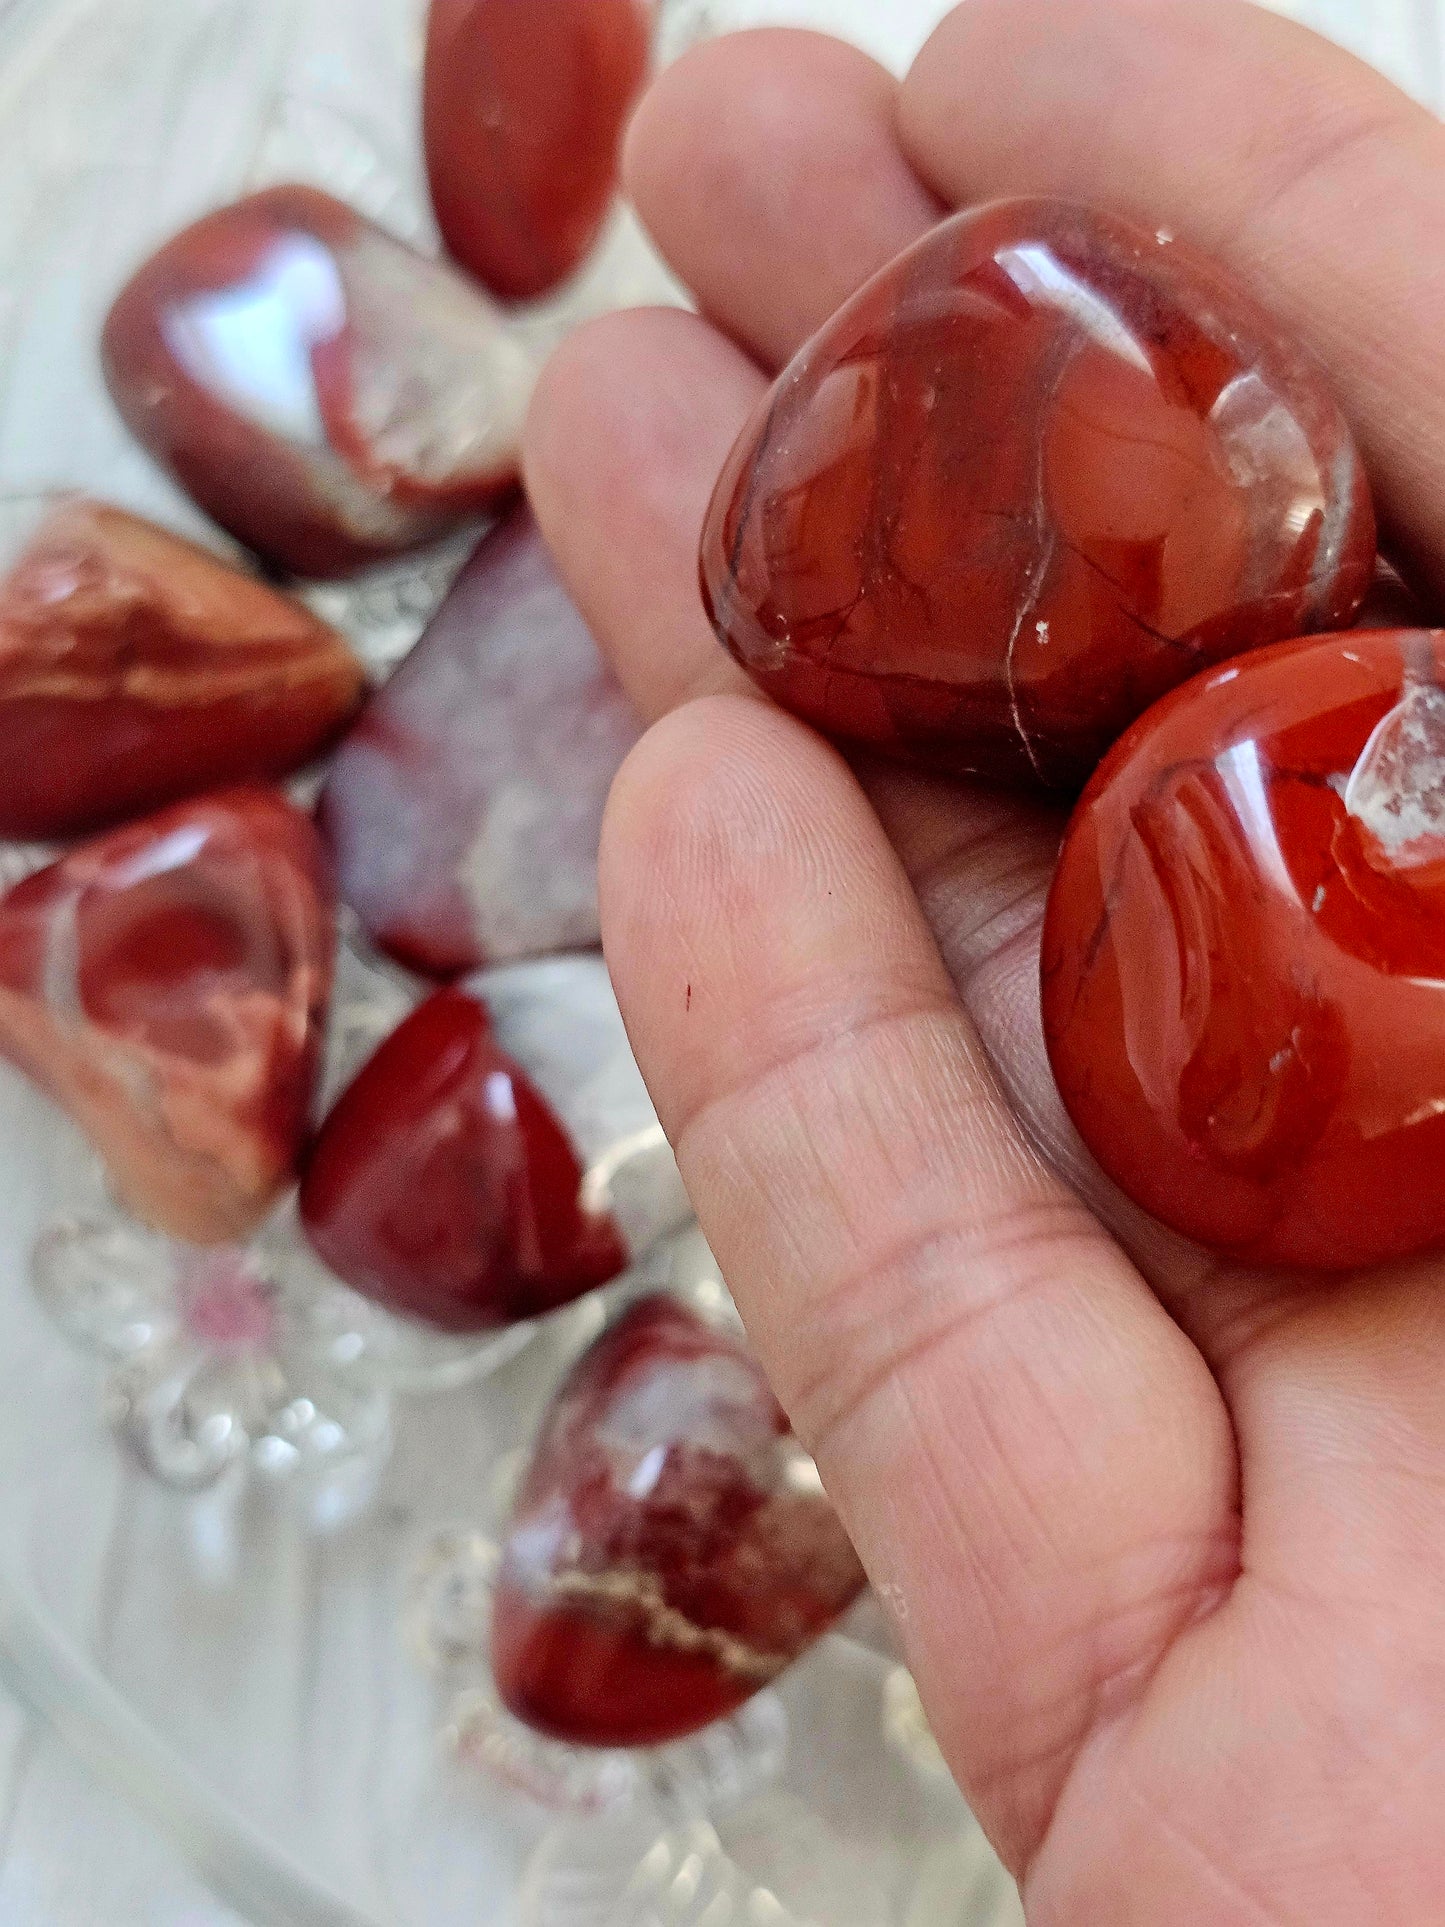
767	168
1299	167
1034	1462
629	426
785	141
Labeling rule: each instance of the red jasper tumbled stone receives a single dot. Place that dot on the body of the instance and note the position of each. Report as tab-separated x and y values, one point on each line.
524	107
465	807
1038	471
1244	954
444	1185
329	395
671	1550
135	668
166	984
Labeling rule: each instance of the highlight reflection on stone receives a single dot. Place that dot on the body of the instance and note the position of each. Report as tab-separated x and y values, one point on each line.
166	984
326	393
672	1549
1037	472
465	807
497	1157
1244	954
135	668
524	112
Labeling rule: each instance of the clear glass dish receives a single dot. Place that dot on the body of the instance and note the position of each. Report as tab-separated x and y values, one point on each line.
253	1671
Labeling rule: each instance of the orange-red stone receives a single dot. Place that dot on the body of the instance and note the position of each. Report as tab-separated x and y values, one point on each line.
329	395
1244	954
525	103
167	984
671	1551
1038	471
135	668
444	1185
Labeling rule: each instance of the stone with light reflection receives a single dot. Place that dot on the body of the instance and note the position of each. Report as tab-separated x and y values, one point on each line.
672	1549
465	807
166	984
135	668
329	395
1038	471
1244	954
497	1157
524	112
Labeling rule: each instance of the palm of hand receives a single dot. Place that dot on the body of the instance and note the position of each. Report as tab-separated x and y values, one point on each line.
1166	1539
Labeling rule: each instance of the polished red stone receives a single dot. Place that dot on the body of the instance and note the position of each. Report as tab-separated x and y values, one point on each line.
135	668
327	394
166	984
1041	469
671	1551
444	1186
524	106
1244	955
465	807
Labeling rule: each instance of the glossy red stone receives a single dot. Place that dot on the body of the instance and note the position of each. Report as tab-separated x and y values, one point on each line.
444	1186
135	668
1037	472
671	1550
524	108
1244	954
327	394
166	984
465	807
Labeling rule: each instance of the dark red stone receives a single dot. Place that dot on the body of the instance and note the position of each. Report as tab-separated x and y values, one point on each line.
1037	472
671	1551
327	394
465	807
443	1185
135	668
1244	955
166	984
524	106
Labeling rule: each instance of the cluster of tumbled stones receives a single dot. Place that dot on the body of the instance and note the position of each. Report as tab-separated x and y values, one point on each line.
334	400
1052	503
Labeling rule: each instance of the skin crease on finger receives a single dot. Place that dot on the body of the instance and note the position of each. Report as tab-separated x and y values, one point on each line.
1284	1761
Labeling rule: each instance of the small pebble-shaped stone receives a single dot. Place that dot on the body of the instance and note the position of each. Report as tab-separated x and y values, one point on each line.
672	1549
135	668
327	394
497	1157
465	806
167	984
525	105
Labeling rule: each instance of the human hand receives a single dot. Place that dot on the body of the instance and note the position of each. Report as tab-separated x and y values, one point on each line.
1165	1537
